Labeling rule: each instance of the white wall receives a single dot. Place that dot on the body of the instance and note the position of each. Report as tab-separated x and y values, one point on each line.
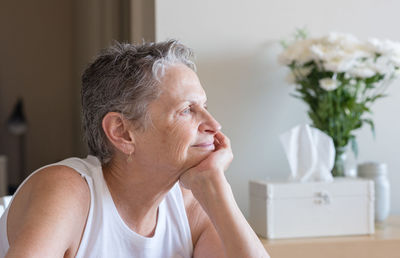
237	43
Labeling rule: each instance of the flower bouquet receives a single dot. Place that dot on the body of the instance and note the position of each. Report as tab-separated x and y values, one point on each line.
339	77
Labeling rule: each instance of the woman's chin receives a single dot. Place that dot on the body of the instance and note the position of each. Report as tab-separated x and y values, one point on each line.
196	157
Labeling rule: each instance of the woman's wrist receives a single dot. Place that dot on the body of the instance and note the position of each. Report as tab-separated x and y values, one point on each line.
213	193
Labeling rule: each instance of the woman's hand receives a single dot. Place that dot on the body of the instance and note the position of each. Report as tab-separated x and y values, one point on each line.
227	224
210	171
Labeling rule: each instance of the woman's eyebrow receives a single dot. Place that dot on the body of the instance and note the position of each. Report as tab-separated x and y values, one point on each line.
196	101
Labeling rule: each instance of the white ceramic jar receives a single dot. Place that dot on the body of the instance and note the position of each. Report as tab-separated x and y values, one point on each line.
378	173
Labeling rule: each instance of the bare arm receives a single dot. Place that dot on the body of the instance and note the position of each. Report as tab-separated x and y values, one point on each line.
48	215
224	230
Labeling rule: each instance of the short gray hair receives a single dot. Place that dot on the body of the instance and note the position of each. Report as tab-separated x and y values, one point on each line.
124	78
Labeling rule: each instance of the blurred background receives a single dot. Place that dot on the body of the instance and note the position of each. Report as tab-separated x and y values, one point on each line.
44	48
45	45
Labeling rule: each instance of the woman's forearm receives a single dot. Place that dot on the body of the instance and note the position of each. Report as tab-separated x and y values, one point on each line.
238	238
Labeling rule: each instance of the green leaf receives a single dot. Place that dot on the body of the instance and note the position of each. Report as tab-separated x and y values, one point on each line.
295	96
301	33
354	145
284	44
372	99
371	124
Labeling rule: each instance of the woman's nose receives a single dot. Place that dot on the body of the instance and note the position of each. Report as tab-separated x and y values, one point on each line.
209	125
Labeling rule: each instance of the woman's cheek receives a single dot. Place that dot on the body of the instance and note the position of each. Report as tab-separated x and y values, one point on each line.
181	139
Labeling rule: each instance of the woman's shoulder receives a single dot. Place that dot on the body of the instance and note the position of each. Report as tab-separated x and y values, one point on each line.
63	183
54	199
58	178
55	184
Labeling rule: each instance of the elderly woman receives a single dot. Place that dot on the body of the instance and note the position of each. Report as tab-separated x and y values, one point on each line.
154	184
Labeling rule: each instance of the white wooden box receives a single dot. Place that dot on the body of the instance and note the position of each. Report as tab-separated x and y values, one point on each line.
311	209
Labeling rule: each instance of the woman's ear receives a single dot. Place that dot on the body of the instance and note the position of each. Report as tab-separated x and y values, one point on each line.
119	132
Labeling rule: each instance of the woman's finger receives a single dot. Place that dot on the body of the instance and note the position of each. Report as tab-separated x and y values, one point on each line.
222	139
216	141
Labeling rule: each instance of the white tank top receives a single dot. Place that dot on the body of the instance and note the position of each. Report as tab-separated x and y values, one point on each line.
107	235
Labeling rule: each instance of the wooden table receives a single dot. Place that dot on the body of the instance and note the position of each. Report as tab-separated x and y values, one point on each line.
385	243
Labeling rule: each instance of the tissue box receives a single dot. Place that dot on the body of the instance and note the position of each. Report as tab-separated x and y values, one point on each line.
312	209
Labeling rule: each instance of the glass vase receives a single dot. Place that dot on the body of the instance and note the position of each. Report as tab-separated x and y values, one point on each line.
339	168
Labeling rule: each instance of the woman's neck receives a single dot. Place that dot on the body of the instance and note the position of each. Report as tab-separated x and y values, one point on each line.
137	193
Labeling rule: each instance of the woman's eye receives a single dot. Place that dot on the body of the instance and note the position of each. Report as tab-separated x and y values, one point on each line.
186	111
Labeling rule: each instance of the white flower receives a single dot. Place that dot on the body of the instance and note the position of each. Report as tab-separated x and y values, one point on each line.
362	72
339	64
383	65
384	47
328	84
344	53
395	60
338	38
387	48
303	71
298	52
339	52
318	51
297	74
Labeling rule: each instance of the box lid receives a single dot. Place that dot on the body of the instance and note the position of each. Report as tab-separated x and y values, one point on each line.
290	190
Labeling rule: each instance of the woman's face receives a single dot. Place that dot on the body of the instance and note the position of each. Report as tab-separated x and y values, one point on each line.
181	131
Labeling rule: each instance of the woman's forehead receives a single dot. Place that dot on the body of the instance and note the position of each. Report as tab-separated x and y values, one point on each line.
180	83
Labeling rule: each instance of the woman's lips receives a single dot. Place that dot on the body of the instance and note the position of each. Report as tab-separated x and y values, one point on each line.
205	145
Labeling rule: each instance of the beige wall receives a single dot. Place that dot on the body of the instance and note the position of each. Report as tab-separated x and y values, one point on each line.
35	64
96	24
44	47
142	20
237	43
